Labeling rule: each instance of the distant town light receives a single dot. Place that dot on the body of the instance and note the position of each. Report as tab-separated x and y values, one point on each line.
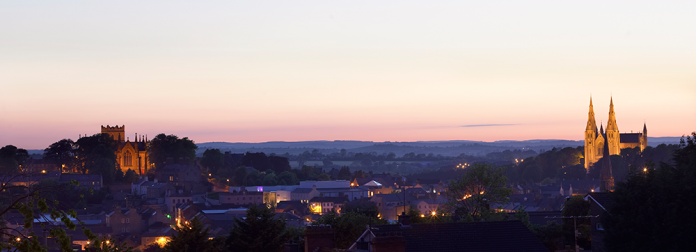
43	171
18	239
433	213
422	215
645	169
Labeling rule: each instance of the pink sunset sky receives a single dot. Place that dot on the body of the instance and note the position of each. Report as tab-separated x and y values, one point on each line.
358	70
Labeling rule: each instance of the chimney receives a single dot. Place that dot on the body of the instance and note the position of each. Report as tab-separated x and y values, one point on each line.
404	219
316	237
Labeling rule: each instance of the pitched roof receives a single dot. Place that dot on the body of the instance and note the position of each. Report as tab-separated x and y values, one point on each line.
335	200
470	236
603	199
302	190
79	177
629	137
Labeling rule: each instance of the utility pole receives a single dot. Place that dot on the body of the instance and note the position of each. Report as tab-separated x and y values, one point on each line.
575	227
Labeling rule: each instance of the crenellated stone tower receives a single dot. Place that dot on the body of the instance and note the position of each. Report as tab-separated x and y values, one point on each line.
131	155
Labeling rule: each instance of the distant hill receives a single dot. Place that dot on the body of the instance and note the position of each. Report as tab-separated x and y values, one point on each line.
445	148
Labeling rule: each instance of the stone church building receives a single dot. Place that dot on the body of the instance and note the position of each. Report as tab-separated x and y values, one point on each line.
596	140
129	155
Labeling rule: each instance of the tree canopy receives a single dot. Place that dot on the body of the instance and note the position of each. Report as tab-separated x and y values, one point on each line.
652	210
170	146
260	231
471	195
95	155
11	158
192	237
61	153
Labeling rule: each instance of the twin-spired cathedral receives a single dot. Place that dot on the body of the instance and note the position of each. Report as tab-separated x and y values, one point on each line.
597	140
129	155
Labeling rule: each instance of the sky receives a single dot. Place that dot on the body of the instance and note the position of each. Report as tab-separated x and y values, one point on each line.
256	71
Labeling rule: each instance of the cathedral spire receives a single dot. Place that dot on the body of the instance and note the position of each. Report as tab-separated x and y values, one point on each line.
613	131
606	177
591	123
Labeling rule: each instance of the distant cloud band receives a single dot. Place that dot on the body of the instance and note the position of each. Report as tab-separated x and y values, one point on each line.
486	125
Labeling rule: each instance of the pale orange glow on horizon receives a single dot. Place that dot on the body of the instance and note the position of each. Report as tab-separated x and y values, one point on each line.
369	71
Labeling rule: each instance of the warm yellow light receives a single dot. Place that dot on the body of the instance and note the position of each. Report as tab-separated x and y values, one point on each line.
379	215
482	192
161	241
19	239
433	213
210	174
422	215
107	241
592	190
645	169
43	171
228	180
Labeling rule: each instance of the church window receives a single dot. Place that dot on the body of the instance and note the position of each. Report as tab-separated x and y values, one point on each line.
127	159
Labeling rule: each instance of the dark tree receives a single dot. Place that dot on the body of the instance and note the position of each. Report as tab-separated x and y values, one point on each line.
61	153
213	159
577	206
192	237
260	231
288	178
11	158
344	173
572	172
471	195
240	176
170	146
258	160
95	155
130	176
279	164
652	210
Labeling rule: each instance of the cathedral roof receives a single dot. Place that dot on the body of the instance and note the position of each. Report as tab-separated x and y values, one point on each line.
630	137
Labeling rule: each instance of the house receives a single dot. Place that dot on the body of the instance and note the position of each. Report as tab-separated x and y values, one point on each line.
178	173
323	205
391	205
124	220
443	237
295	206
599	203
304	194
242	197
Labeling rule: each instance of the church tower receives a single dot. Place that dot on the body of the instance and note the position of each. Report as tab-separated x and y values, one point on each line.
613	135
590	137
606	177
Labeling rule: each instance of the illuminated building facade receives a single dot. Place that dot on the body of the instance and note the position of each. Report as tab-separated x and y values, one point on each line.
129	155
615	141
